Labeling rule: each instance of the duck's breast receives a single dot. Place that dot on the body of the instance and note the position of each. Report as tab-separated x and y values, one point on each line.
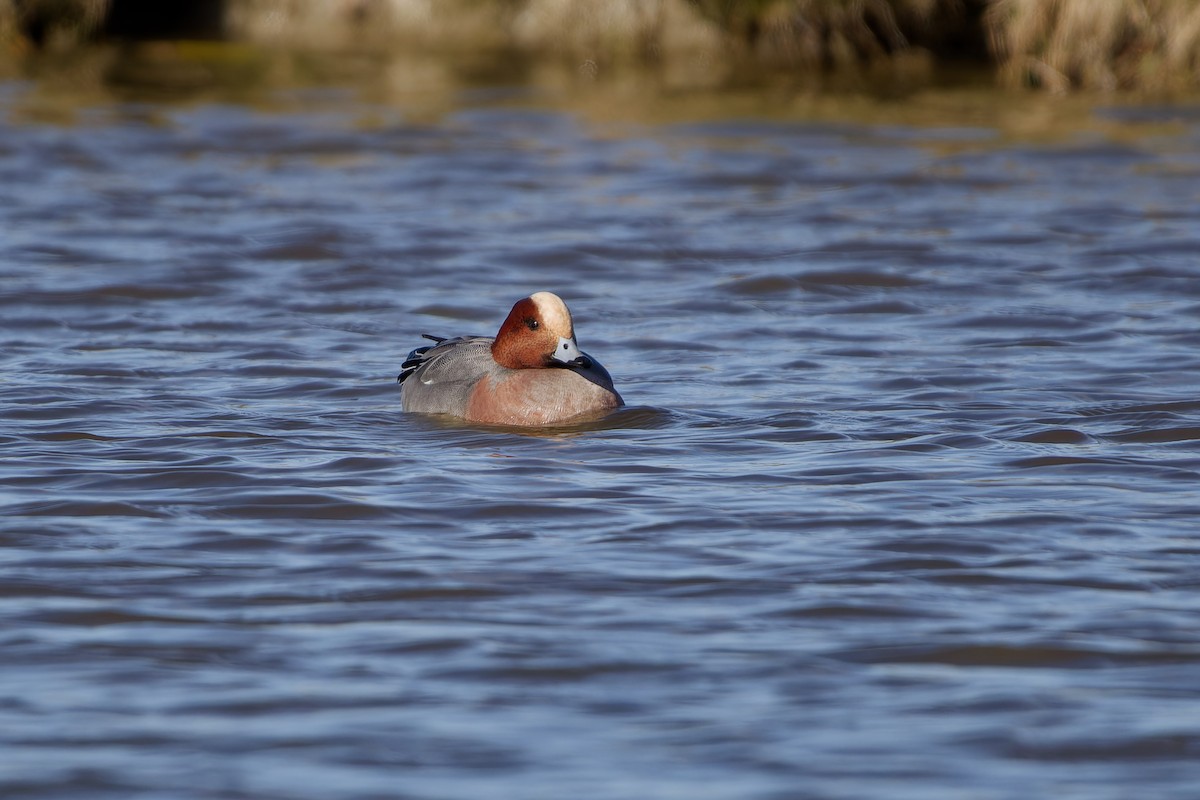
539	397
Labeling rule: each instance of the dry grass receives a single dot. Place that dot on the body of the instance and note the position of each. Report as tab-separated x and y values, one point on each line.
596	30
824	33
1109	45
645	30
1059	45
53	24
591	38
358	24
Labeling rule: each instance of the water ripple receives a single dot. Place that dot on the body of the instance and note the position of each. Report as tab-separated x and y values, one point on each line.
902	503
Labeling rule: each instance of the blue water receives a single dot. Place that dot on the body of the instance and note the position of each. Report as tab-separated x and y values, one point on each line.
904	503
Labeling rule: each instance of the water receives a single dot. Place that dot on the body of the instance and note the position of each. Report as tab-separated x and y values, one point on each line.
904	503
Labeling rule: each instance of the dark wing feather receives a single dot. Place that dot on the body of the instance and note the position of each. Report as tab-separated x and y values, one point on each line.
417	357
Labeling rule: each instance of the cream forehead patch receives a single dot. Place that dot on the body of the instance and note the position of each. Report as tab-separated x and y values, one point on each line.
553	312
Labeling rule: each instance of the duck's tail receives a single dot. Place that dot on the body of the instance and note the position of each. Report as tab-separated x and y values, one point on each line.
417	356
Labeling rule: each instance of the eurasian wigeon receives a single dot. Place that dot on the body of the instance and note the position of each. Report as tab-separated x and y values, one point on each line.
531	373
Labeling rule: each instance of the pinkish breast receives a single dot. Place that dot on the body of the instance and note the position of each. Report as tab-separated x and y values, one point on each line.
537	397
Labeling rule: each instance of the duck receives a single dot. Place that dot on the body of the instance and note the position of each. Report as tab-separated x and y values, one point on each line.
531	373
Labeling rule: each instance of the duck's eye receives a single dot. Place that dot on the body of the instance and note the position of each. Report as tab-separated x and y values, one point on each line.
531	323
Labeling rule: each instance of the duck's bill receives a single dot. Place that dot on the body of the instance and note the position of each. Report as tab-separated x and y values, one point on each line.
568	354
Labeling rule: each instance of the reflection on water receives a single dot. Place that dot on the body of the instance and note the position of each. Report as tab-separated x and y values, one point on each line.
903	504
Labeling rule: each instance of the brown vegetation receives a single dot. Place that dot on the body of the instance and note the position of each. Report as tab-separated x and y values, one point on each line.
838	33
1106	45
1063	44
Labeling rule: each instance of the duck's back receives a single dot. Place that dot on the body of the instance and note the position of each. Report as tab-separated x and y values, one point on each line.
439	379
